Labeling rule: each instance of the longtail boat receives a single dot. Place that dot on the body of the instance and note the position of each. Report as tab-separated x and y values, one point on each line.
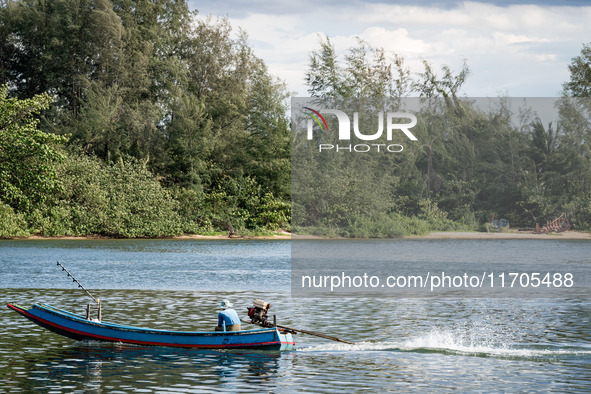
79	327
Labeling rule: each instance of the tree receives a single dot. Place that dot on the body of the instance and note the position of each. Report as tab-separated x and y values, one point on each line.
367	72
58	47
580	74
147	80
27	154
325	76
431	85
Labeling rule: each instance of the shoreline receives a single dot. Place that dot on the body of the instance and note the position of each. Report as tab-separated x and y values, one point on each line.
570	235
284	235
467	235
278	235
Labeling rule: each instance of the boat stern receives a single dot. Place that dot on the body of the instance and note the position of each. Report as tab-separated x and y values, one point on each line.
287	341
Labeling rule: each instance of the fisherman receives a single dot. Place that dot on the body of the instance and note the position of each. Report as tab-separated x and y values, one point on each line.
228	319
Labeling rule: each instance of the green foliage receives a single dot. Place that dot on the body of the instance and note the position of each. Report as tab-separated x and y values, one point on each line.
177	127
153	93
119	200
27	155
580	74
11	224
474	158
392	225
122	200
272	213
240	203
370	72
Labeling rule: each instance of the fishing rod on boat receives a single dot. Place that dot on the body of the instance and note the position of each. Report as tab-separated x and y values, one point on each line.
258	316
97	300
76	281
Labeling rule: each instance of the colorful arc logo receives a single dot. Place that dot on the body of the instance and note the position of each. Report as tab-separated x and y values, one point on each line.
316	119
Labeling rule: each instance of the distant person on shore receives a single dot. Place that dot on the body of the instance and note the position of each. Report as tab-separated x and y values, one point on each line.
228	318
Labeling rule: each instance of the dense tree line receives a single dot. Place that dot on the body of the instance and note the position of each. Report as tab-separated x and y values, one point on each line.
136	118
160	122
473	158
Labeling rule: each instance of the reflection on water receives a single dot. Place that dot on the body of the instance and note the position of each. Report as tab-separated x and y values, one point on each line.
112	367
401	344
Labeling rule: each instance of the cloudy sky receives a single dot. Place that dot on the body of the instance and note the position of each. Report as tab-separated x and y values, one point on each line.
514	48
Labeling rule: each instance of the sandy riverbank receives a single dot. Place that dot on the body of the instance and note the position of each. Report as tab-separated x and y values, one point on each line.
481	235
279	235
576	235
507	235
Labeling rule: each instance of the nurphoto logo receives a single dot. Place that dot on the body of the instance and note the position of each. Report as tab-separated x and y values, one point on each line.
393	126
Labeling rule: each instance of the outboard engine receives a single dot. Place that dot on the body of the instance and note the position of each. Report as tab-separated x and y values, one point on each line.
258	313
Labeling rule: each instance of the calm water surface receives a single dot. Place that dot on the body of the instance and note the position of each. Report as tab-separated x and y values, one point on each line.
533	345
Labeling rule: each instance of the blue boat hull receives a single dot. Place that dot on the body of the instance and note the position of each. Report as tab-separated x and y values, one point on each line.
79	328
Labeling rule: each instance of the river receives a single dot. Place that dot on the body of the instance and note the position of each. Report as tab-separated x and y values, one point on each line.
402	344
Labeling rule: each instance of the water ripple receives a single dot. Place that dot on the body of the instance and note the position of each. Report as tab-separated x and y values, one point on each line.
401	344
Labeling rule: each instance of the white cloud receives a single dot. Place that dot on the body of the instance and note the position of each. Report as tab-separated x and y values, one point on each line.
516	50
398	41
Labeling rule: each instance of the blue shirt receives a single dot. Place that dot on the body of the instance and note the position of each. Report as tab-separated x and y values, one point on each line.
228	316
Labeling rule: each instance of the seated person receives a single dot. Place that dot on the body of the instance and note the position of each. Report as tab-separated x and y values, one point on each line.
228	318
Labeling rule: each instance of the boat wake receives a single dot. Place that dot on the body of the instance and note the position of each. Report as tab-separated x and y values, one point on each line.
450	343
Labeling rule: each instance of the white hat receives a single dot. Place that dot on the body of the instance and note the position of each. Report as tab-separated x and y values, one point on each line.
226	304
